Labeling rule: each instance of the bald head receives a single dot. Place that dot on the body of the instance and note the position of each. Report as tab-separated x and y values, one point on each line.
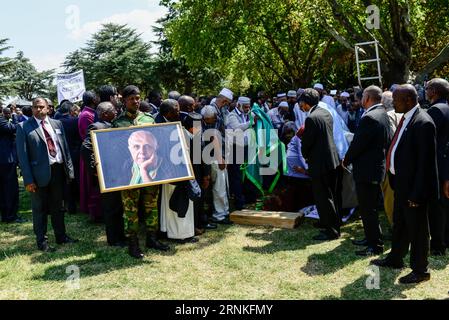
405	98
437	89
186	103
371	96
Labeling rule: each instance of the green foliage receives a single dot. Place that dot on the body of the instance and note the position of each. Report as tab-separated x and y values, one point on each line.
7	65
172	73
19	77
29	82
115	55
283	44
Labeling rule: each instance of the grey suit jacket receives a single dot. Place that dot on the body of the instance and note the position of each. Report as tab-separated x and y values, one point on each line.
33	153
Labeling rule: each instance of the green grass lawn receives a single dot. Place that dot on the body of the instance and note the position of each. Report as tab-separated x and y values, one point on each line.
235	262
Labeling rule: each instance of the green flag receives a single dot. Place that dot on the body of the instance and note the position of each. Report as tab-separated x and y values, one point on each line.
263	141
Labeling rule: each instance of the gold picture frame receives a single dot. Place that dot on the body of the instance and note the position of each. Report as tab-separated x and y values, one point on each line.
109	150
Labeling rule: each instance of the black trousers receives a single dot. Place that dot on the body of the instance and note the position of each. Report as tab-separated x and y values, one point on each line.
324	189
439	223
368	195
339	191
301	191
411	229
236	185
9	192
112	207
201	218
48	200
72	190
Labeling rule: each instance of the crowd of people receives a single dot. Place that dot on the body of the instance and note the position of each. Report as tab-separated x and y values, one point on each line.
387	149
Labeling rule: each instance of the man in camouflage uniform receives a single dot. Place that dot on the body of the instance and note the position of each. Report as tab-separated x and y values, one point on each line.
147	196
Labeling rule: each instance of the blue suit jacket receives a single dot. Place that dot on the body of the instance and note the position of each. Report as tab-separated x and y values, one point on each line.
33	153
7	146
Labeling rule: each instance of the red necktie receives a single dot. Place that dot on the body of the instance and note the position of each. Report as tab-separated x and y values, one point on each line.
395	139
50	142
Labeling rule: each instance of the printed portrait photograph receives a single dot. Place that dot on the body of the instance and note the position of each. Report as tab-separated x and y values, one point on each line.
141	156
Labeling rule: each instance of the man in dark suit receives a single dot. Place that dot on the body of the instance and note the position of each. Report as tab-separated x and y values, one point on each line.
46	165
111	203
367	153
69	121
200	169
437	91
412	167
9	185
318	148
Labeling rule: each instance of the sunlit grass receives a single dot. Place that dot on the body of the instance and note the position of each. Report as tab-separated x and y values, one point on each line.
236	262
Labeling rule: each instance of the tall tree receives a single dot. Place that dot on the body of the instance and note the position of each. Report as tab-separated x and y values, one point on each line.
402	31
29	82
269	42
7	85
172	73
115	55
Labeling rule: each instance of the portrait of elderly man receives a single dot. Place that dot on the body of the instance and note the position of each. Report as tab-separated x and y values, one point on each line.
143	147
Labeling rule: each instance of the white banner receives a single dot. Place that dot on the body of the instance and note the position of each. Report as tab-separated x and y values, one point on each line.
70	86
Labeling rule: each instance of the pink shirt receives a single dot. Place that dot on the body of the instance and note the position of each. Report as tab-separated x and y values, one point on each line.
86	118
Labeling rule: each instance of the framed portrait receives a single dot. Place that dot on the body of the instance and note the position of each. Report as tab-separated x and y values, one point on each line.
136	157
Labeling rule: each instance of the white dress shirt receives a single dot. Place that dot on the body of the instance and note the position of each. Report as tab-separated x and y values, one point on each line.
407	117
54	136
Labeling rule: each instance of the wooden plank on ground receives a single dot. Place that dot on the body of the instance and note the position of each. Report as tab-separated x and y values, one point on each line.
278	219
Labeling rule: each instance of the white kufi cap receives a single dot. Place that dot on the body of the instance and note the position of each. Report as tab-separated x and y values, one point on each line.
227	94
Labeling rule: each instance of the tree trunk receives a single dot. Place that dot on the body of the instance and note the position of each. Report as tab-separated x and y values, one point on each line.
435	63
395	73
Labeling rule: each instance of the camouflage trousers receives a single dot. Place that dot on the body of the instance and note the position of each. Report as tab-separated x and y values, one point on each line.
144	199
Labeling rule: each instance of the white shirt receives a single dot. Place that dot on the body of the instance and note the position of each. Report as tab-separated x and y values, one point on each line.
300	116
370	108
407	117
53	135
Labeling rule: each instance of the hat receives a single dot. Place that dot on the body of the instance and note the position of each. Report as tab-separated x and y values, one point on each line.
291	94
283	104
333	92
227	94
282	95
318	86
345	95
244	100
300	91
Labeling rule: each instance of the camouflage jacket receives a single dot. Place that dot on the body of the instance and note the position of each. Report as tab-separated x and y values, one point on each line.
128	120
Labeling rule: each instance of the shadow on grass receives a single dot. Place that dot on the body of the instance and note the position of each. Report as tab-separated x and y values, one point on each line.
387	290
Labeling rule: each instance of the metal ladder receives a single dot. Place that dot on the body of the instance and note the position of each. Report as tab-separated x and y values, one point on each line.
358	47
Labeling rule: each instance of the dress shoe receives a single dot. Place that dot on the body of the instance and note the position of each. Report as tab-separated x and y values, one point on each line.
325	237
17	220
210	226
188	240
133	248
361	243
415	278
67	240
370	252
44	247
386	263
438	252
225	221
199	232
153	243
